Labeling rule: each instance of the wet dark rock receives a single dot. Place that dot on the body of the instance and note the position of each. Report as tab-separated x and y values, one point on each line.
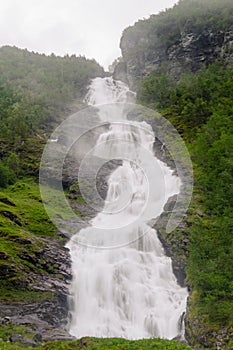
175	246
38	338
46	318
4	256
40	332
7	270
85	207
103	175
23	241
25	341
56	334
11	216
16	337
202	336
176	243
120	71
7	201
189	53
180	340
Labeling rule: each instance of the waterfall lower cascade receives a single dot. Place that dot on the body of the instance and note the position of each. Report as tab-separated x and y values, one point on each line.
123	284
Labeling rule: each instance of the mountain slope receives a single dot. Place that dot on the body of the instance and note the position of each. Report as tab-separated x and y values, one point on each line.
180	63
189	36
36	93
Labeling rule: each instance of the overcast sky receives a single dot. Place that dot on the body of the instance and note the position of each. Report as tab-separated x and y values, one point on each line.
87	27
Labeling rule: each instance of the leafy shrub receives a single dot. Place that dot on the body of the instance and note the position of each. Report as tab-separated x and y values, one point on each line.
7	176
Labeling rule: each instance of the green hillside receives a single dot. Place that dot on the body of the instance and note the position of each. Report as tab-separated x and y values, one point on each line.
180	62
200	106
36	92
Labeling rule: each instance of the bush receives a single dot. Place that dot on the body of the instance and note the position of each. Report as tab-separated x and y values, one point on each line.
7	176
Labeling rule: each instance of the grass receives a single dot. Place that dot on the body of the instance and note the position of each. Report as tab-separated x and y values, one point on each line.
105	344
22	216
29	208
14	295
24	224
7	331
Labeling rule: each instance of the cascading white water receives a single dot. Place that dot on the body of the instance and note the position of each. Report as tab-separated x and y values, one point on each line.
123	284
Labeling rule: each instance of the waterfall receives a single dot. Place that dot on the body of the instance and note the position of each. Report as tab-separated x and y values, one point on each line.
123	284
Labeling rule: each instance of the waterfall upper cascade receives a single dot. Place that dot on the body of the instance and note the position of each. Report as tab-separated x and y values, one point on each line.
123	284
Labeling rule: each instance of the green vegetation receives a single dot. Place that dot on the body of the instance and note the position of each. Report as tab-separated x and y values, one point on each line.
36	92
48	84
24	225
189	16
105	344
201	107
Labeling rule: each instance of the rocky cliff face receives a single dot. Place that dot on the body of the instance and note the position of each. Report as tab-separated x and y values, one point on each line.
175	42
190	52
34	321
